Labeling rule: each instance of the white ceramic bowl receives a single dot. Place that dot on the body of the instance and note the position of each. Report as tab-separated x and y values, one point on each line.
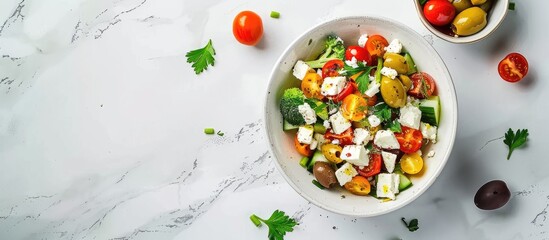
495	18
307	46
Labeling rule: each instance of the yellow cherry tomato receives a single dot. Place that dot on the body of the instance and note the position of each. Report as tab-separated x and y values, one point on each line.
411	163
359	185
354	107
310	85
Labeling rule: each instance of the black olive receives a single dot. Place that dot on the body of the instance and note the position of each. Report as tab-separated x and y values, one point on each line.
324	174
492	195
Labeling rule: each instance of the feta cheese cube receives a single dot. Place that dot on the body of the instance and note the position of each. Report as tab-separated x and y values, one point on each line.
339	123
319	72
307	112
313	144
374	121
373	88
335	141
431	154
387	185
389	72
394	47
356	155
353	62
305	134
361	136
410	116
386	139
345	173
332	86
326	124
362	40
389	159
301	69
429	132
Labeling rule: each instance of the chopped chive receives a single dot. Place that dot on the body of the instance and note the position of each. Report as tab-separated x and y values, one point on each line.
275	14
316	183
304	162
220	133
209	131
512	6
255	220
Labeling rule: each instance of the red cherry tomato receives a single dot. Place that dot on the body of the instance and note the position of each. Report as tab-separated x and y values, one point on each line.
513	67
376	46
423	85
345	138
359	53
348	89
373	168
410	139
439	13
248	28
331	68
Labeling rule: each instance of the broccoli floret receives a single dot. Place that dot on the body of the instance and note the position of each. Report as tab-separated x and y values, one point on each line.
334	49
292	98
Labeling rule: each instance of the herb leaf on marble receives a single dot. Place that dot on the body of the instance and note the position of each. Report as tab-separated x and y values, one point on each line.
279	224
201	58
412	225
515	140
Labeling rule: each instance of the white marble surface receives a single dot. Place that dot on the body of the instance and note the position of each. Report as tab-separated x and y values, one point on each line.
101	123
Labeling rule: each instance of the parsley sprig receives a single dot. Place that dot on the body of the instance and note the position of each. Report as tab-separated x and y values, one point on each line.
363	80
202	57
383	112
515	140
394	126
412	226
279	224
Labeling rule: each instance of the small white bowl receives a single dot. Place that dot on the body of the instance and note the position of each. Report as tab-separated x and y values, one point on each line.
281	143
495	18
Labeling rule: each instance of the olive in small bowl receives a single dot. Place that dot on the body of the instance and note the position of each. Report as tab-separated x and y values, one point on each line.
492	195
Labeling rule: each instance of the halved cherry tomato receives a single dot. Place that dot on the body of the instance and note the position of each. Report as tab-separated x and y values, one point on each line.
359	53
310	85
513	67
422	83
359	185
439	13
248	28
354	107
345	138
302	149
331	68
348	89
376	46
373	168
411	163
410	139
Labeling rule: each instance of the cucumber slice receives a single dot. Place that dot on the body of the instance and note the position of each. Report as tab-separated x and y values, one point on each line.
411	65
286	126
304	162
405	182
317	156
319	128
430	110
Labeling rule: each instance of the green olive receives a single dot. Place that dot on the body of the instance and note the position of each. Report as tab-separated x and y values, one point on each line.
393	92
396	62
487	5
332	152
469	22
461	5
478	2
405	81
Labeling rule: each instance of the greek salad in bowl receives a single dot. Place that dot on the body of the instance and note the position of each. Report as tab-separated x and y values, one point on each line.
363	116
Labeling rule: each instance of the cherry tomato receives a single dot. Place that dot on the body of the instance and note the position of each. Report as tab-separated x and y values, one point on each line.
358	52
301	148
513	67
439	13
359	185
373	168
345	138
410	139
248	28
310	85
331	68
348	89
422	84
376	46
411	163
354	107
